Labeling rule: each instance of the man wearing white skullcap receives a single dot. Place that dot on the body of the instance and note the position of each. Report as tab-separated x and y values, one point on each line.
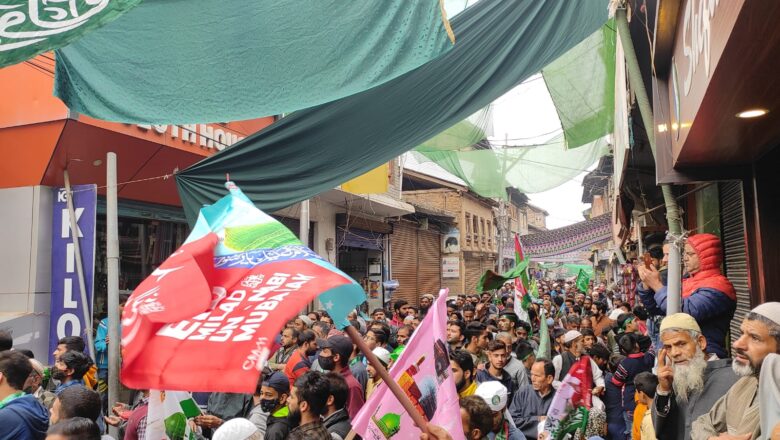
496	396
237	429
690	381
737	413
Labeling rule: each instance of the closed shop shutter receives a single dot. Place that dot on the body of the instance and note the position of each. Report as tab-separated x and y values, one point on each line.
732	220
473	273
403	249
429	254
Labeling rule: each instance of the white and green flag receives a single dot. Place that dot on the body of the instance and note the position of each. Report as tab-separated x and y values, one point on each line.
32	27
169	414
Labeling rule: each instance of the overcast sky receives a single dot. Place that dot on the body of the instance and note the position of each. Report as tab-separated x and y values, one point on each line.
526	115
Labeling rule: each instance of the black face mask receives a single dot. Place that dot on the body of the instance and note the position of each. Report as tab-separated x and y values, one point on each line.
294	418
326	363
268	405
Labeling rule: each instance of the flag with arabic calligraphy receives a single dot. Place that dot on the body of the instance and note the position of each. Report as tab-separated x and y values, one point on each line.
206	318
32	27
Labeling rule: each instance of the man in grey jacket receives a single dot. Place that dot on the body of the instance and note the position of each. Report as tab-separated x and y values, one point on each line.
689	381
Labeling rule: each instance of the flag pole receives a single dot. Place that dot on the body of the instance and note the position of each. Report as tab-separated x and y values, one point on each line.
112	265
394	388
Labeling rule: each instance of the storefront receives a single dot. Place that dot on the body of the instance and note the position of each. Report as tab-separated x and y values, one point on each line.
717	128
416	259
362	247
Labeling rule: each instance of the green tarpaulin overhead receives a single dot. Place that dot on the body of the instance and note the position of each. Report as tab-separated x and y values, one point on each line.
500	43
582	86
192	61
581	83
29	28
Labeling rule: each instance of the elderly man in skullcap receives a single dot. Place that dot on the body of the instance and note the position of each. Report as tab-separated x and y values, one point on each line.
736	414
689	380
707	294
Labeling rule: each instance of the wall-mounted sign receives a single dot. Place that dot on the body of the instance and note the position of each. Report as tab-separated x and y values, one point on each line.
67	317
450	267
450	242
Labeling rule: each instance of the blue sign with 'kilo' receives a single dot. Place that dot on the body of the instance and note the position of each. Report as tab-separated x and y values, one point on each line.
67	317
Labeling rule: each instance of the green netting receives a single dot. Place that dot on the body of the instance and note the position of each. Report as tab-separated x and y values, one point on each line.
530	169
582	86
461	136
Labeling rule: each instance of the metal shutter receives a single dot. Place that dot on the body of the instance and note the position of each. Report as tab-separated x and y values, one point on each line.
473	273
403	246
429	262
733	236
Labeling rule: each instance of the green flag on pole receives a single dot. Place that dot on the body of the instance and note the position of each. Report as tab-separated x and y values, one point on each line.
583	279
30	29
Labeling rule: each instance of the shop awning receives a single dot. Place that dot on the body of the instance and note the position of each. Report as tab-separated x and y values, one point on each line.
499	45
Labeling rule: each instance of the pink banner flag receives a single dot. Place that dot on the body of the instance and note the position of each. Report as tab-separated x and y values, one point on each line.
423	372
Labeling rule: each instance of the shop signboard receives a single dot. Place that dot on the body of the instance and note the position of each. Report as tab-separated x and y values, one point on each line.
67	317
450	267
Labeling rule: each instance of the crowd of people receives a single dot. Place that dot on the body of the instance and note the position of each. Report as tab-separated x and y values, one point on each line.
654	375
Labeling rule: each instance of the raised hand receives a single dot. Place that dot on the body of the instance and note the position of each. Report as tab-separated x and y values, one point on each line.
665	372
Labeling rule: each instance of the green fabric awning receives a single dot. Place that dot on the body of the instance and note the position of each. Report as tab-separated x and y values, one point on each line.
500	43
28	28
582	86
195	61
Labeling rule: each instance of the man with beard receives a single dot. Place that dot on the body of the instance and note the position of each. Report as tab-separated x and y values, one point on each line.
289	344
507	322
736	415
572	350
477	339
463	372
455	335
425	304
299	362
334	356
308	403
688	384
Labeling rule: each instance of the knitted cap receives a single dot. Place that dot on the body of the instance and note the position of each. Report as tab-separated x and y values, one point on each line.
681	321
770	310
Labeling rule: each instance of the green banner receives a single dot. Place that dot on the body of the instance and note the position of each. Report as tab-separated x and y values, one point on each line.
32	27
583	279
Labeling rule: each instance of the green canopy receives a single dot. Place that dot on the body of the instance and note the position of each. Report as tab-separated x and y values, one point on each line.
193	61
581	83
500	43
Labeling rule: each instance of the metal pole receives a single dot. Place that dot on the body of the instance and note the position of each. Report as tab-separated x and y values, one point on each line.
74	234
303	230
112	253
672	210
399	394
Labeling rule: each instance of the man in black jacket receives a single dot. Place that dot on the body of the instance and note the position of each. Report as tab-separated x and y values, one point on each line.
337	420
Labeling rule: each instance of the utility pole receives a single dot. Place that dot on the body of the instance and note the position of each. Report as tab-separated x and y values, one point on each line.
112	257
74	234
672	210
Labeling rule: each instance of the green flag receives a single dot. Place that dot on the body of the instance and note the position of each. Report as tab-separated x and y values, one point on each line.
583	279
30	29
544	337
491	280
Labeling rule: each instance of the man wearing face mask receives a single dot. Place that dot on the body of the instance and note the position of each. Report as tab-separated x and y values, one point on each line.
273	401
334	356
69	369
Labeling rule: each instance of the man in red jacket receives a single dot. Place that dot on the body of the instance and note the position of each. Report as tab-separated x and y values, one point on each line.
707	295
